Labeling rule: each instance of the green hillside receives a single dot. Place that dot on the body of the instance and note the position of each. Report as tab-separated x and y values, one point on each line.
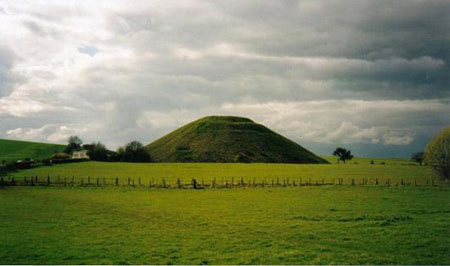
228	139
11	150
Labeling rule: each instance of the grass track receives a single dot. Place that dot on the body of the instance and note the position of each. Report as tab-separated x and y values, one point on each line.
307	225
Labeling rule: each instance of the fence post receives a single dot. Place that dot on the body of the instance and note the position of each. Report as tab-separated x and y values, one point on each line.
402	182
98	182
214	182
89	180
32	181
353	182
48	180
179	183
232	181
163	182
194	183
117	181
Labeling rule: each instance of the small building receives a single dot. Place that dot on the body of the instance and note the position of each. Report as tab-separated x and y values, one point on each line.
80	155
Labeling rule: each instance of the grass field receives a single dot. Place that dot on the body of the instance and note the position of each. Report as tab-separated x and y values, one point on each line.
11	150
392	169
271	225
301	225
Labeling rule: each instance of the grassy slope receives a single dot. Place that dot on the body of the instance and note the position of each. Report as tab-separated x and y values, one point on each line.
11	150
308	225
393	169
220	139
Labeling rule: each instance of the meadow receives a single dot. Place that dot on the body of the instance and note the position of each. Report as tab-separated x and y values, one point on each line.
11	150
392	169
362	224
300	225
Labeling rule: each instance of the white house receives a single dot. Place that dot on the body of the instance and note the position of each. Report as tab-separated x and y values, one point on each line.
80	155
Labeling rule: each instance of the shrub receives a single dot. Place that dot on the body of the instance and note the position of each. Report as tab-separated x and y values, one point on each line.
437	153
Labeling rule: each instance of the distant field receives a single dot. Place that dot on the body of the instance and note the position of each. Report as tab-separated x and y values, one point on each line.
302	225
393	169
11	150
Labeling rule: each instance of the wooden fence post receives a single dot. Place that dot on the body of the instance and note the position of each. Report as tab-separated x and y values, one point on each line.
376	181
117	181
214	183
402	182
48	180
194	183
98	182
89	180
163	182
353	182
232	181
179	183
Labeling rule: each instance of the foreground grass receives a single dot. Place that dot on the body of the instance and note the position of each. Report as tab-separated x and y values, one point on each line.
307	225
393	170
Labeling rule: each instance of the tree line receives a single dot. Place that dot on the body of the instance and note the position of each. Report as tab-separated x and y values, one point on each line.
133	151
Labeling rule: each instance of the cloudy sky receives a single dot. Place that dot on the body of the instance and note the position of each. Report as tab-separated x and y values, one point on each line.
372	76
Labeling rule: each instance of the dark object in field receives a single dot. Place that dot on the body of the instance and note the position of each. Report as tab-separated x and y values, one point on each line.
228	139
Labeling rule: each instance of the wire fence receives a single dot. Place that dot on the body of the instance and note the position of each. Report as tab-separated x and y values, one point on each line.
196	183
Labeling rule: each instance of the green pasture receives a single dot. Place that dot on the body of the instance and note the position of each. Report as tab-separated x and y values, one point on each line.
11	150
299	225
393	170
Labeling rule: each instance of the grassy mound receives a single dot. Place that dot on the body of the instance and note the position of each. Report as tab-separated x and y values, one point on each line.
228	139
11	150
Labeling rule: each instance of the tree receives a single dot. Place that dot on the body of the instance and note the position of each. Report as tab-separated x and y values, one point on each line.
417	157
134	152
98	152
437	153
343	154
74	144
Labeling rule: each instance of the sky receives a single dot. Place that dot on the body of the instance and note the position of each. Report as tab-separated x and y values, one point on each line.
371	76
